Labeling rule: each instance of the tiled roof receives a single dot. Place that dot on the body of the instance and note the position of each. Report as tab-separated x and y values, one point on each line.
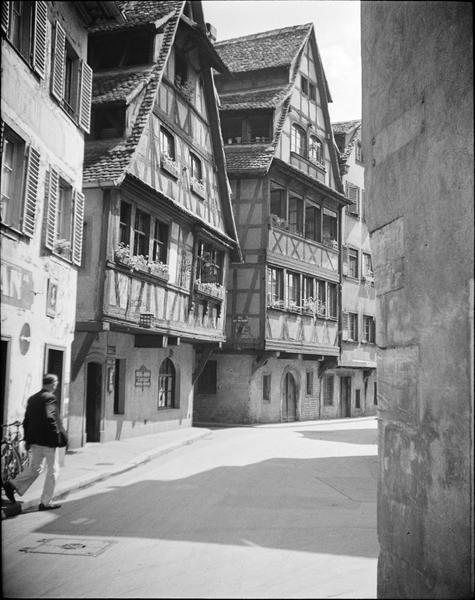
345	126
109	162
341	131
117	87
257	158
264	50
254	98
141	13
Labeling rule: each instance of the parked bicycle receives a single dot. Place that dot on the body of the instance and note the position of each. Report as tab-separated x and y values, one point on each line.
14	455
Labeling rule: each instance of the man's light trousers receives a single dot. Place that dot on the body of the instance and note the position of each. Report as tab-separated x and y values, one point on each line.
38	456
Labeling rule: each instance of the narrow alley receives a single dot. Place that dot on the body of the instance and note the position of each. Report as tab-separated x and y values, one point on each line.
272	511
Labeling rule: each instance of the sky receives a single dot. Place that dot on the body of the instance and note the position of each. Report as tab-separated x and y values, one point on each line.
337	29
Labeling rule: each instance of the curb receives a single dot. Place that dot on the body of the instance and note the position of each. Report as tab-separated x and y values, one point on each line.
63	491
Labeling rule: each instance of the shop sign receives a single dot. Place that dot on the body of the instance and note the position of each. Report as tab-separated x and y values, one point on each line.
143	377
17	286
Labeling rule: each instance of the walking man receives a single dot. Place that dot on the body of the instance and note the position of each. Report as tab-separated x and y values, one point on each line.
43	433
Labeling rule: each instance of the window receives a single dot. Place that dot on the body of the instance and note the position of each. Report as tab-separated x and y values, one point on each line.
358	399
322	298
259	128
304	85
232	129
375	394
167	144
63	218
315	151
353	327
309	380
298	141
329	226
275	287
266	382
159	242
107	122
124	223
293	290
328	390
207	381
313	222
119	387
195	167
209	264
358	152
308	287
367	265
312	91
181	70
353	194
141	233
353	263
369	329
114	50
277	202
332	301
19	193
166	385
296	214
71	80
25	26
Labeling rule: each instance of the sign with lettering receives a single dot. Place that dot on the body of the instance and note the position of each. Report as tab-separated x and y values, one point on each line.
17	286
143	377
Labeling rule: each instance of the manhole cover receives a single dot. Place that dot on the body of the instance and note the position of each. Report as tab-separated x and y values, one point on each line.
73	547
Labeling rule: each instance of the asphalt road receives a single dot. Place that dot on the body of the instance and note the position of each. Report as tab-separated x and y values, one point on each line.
284	511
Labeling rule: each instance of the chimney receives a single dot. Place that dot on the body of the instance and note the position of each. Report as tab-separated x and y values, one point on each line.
211	32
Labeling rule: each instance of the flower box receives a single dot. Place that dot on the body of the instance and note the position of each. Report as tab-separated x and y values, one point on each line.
198	187
215	290
169	165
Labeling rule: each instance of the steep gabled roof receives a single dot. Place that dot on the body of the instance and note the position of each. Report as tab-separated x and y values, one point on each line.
276	48
118	87
252	99
141	13
346	134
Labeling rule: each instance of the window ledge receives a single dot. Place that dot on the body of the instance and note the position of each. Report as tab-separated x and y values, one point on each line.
170	166
13	233
198	187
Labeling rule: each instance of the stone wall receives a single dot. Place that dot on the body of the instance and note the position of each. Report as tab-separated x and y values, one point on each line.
418	142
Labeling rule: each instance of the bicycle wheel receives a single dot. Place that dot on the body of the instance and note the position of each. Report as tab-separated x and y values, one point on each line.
10	463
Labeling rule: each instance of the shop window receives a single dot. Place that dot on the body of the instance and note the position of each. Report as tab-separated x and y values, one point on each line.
328	385
64	218
20	178
353	258
275	287
293	290
71	80
207	381
25	24
357	399
266	386
353	327
108	122
166	385
329	228
115	50
298	141
369	329
315	151
296	214
312	222
309	382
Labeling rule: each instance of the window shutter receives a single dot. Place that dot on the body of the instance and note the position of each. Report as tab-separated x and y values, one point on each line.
344	260
363	206
52	193
77	227
344	325
85	97
57	79
31	191
39	46
5	16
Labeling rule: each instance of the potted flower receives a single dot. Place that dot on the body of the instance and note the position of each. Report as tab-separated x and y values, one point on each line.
158	268
122	254
62	247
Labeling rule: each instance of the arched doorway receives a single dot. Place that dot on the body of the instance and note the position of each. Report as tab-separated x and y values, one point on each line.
93	402
289	399
166	385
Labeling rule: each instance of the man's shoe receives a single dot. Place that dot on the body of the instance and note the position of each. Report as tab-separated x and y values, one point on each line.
9	491
48	506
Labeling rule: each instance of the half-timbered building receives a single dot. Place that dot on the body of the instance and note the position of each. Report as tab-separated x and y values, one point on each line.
46	102
283	317
354	381
159	227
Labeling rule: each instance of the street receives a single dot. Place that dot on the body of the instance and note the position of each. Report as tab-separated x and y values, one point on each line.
272	511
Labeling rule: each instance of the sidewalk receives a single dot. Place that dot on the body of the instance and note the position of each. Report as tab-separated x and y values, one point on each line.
96	462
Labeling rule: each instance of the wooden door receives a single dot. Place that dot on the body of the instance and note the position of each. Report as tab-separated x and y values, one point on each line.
345	397
289	400
93	401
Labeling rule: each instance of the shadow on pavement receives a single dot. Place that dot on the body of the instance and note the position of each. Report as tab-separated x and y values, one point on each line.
348	436
323	505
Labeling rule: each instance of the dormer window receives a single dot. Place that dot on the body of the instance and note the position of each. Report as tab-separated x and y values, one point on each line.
298	141
108	122
259	128
116	50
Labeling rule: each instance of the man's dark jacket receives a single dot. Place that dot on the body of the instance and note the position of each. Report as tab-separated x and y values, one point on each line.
42	425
